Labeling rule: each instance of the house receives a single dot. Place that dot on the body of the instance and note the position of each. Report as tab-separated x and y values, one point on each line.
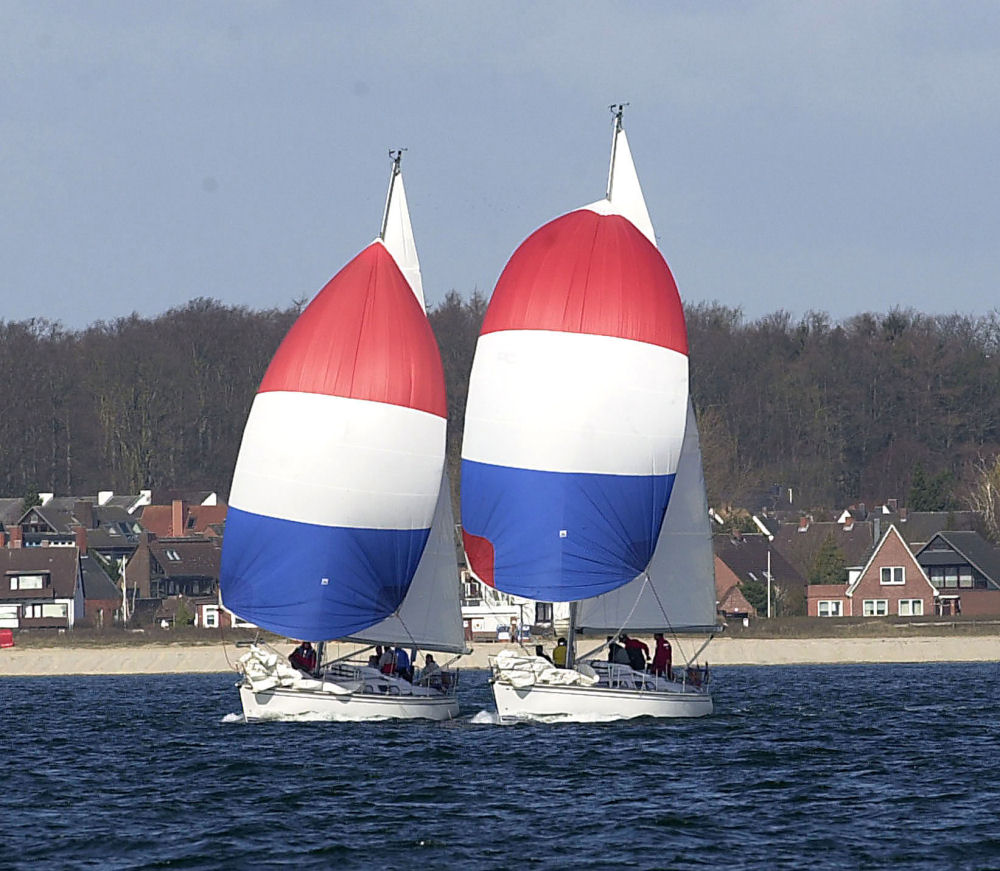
181	519
40	587
799	542
965	569
890	583
748	557
174	566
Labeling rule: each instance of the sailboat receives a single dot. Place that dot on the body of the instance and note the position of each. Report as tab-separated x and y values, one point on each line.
581	471
340	523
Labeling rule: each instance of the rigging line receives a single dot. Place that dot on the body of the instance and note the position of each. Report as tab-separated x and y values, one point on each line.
621	629
670	627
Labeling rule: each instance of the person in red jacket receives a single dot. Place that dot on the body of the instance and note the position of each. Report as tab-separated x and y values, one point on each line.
662	657
636	650
304	658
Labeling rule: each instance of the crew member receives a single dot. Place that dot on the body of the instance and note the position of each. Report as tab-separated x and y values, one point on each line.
559	653
304	658
662	657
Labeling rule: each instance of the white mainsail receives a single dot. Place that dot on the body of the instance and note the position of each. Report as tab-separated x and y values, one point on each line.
677	591
430	617
397	233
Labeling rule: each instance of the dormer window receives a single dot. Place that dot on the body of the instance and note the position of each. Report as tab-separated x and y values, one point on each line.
27	582
893	575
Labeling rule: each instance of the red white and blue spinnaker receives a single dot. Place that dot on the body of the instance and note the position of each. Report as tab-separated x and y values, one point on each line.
342	458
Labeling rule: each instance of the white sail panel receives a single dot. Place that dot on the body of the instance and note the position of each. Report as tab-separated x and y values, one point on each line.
573	402
680	592
337	461
430	617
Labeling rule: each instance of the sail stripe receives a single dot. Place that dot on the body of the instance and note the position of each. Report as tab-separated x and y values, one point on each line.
331	461
556	536
364	336
531	404
321	578
589	273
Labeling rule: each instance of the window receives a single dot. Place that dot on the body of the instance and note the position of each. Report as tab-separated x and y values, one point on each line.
911	607
59	610
829	609
543	612
172	555
893	575
876	607
211	617
27	582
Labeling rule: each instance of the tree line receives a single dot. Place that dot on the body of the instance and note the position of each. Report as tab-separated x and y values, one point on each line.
829	412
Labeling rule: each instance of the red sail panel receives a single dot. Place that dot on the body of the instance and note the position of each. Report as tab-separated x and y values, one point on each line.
364	336
589	273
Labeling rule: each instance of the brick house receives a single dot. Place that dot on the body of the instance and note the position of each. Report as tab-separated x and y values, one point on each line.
891	583
965	569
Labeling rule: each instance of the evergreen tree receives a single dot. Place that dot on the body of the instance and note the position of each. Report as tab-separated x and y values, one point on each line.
930	494
829	566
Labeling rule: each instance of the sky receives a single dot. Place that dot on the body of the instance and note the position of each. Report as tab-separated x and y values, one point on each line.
822	156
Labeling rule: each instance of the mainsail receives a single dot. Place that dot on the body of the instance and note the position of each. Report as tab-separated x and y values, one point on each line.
577	403
677	591
339	473
430	616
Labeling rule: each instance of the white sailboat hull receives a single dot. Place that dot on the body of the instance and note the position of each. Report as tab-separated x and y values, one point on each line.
282	703
597	703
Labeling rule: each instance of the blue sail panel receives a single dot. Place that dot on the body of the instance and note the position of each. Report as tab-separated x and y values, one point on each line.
557	536
313	582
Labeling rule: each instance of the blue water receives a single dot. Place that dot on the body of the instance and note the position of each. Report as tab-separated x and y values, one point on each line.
802	767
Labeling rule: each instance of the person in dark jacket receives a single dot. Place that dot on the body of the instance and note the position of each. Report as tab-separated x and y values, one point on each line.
304	658
616	653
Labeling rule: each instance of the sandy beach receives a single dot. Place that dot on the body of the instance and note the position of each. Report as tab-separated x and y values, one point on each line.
220	658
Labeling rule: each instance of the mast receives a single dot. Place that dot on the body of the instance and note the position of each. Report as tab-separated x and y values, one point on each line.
617	110
396	156
571	641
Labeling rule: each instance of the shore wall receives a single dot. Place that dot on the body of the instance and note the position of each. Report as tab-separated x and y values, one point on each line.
180	659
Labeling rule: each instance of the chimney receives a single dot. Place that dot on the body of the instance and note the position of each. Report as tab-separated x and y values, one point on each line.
892	503
3	538
803	524
177	518
16	537
83	511
81	539
877	529
902	515
849	524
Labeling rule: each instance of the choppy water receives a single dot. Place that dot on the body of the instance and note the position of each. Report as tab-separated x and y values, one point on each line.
802	767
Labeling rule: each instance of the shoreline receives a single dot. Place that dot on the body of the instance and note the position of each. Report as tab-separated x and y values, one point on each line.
221	658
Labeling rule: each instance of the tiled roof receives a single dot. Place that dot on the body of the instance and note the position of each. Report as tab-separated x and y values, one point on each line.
971	545
920	527
746	557
60	562
187	557
800	548
96	583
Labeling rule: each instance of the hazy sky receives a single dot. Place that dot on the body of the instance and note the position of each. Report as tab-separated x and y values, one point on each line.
835	156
